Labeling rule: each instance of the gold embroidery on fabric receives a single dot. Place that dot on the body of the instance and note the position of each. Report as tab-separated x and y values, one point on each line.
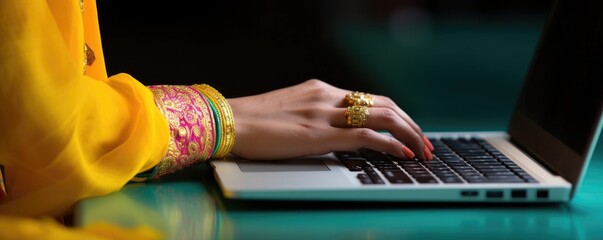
182	132
175	103
193	148
196	131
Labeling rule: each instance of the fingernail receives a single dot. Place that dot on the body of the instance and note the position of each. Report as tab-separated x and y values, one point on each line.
409	154
428	154
428	143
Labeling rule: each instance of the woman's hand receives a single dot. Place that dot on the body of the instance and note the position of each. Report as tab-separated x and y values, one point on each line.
308	119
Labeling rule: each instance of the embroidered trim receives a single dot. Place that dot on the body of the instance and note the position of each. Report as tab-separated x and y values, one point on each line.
192	131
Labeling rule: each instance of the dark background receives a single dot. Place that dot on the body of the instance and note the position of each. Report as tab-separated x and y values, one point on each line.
470	54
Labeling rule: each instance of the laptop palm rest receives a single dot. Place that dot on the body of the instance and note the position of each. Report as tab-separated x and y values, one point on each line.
289	165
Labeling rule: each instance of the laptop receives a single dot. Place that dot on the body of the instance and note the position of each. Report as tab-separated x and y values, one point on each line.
541	157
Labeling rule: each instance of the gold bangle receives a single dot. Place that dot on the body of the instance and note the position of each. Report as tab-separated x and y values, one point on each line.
227	123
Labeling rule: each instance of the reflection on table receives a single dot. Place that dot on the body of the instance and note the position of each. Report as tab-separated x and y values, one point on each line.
190	206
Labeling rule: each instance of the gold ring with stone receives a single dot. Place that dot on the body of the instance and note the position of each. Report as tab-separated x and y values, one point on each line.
359	99
356	115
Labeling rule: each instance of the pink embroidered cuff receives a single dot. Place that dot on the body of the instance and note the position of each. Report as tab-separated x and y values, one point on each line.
192	127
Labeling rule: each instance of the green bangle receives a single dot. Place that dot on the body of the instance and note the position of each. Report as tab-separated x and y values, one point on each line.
217	126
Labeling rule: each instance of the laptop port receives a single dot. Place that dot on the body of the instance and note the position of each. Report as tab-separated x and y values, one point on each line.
468	193
494	194
519	194
542	194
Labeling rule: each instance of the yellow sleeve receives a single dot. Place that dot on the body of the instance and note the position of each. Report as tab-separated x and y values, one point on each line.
65	134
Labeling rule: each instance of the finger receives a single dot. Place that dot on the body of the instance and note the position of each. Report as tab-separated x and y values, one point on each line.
387	119
352	139
385	102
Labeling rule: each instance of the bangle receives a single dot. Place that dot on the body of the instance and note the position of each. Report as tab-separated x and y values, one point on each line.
227	124
218	132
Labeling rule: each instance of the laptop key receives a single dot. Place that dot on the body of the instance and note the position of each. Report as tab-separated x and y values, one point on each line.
396	176
367	178
354	165
378	181
373	155
387	166
507	174
451	179
373	175
426	179
493	170
445	173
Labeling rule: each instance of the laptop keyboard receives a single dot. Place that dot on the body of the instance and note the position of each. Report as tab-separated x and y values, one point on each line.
456	160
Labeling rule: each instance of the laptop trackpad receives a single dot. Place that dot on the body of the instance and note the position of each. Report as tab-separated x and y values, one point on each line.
292	165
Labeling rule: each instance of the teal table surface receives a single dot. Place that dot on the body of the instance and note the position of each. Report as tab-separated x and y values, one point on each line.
189	205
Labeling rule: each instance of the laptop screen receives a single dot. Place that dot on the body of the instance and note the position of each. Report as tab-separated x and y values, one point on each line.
558	113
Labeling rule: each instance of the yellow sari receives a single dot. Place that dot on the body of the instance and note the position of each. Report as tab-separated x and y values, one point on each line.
67	130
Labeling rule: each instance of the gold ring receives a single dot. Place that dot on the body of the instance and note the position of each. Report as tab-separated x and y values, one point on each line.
359	99
356	115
